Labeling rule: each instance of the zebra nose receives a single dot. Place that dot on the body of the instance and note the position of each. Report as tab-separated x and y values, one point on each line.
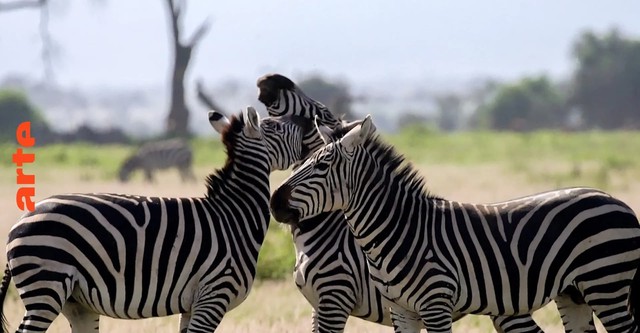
280	208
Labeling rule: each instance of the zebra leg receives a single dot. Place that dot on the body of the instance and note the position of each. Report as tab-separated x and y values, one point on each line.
516	324
185	318
437	316
207	314
186	173
576	315
609	303
148	175
405	321
80	318
332	313
43	300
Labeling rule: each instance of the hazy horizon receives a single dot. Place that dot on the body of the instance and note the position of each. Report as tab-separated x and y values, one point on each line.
124	44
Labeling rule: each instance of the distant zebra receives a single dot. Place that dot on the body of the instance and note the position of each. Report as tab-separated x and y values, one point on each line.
437	257
331	270
130	257
158	155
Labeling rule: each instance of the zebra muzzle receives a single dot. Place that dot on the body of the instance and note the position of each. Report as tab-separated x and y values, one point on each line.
280	208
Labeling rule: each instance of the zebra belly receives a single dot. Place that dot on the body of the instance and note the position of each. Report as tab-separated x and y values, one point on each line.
89	297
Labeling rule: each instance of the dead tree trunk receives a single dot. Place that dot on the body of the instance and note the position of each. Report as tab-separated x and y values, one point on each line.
178	117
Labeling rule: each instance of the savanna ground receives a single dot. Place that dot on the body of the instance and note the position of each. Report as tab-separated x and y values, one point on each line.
478	167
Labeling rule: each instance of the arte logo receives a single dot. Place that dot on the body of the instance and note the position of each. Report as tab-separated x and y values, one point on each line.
25	194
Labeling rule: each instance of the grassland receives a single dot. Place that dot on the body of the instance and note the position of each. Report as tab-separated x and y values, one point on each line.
477	167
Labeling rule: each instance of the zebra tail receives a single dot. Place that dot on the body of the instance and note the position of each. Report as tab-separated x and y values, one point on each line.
4	287
634	297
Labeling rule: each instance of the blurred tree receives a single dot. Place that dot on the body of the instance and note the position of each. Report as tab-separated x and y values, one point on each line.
15	108
414	118
178	117
45	36
449	111
530	104
481	93
335	95
606	85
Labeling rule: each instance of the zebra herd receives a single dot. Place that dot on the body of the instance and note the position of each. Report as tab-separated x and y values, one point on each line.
370	241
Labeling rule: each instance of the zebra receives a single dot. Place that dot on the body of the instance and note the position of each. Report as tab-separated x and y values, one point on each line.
437	257
330	269
157	155
131	257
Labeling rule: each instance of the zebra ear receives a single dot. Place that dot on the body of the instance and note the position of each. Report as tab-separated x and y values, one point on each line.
359	134
251	122
218	121
323	131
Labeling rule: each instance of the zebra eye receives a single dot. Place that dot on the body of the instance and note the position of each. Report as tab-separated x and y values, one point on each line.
322	166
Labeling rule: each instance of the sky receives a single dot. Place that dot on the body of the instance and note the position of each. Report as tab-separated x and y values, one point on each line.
125	44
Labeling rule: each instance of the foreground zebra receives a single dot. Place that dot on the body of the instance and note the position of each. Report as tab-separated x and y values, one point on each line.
132	257
331	270
158	155
437	257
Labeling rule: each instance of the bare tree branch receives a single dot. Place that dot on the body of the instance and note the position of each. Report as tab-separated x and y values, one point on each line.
200	32
174	18
24	4
205	99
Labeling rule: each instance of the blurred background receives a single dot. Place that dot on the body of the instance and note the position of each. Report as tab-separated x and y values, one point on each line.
456	65
490	100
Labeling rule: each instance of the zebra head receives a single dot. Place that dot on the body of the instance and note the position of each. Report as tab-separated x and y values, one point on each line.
327	180
127	167
283	97
283	136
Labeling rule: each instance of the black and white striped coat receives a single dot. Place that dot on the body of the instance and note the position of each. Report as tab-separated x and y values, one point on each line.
436	257
159	155
130	257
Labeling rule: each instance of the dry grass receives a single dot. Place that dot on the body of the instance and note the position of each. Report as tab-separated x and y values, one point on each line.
277	306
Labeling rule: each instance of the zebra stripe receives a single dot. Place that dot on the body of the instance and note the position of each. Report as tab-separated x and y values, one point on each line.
130	257
436	257
158	155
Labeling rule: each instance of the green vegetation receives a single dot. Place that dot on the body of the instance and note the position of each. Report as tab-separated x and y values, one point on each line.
532	103
15	108
427	146
609	160
277	256
618	150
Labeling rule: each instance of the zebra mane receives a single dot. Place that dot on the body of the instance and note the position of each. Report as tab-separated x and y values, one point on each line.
388	158
215	180
339	132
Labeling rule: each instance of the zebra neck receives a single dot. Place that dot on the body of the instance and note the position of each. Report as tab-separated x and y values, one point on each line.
383	213
319	228
242	190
